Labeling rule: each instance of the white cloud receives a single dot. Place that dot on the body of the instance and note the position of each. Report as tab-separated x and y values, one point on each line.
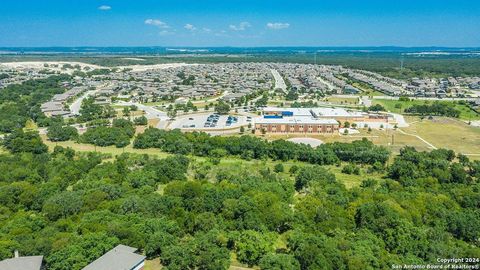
166	33
240	27
190	27
206	30
104	7
277	26
157	23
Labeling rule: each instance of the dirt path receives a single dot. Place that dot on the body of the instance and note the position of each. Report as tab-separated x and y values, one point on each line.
418	137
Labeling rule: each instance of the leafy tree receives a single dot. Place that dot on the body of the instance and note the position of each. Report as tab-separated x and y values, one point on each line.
126	111
251	246
172	114
140	121
170	168
81	252
222	107
292	95
279	262
59	133
376	108
278	168
309	174
315	252
62	205
20	141
89	110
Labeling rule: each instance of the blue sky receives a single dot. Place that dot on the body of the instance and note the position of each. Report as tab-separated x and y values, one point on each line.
37	23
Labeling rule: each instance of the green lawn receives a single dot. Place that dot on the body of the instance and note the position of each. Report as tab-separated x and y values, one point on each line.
342	100
153	264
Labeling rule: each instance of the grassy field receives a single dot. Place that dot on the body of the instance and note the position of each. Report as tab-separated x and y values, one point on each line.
342	100
367	90
153	264
391	139
448	133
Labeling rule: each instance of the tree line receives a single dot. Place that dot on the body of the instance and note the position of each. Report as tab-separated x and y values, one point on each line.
249	147
436	108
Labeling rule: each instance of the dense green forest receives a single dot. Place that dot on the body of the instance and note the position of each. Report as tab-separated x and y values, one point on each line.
194	212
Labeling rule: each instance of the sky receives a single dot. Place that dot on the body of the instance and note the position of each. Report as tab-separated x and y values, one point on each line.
242	23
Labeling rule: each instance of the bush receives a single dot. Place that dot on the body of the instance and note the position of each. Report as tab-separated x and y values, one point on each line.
58	133
351	169
140	121
278	168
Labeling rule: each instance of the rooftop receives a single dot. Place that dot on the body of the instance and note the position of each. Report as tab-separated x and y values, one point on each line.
22	263
316	112
296	120
119	258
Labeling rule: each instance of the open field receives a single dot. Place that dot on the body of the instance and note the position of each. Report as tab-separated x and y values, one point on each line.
378	137
367	90
342	100
352	180
448	133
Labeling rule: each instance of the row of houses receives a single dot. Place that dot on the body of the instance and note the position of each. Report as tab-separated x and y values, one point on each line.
379	83
57	106
10	76
192	81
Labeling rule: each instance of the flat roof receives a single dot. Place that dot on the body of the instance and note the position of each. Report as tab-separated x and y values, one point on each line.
296	120
334	112
316	112
295	111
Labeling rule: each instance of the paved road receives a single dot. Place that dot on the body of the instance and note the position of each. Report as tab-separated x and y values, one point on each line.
366	101
401	122
150	112
306	140
279	82
75	106
212	99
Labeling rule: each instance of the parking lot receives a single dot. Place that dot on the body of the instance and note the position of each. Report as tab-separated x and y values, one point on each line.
209	121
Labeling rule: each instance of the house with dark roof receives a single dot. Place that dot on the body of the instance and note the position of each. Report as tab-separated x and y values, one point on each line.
119	258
